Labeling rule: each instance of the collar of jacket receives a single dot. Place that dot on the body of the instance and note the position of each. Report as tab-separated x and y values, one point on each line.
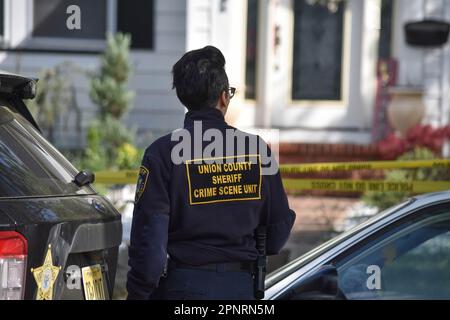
208	115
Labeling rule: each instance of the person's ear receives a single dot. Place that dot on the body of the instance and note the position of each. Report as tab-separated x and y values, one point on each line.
224	100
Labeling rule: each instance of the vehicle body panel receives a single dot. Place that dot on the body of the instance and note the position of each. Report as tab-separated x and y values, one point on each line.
77	224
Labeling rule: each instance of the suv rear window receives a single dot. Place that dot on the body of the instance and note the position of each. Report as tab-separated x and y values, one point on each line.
29	165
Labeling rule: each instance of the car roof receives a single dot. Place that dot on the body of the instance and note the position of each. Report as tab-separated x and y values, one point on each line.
432	197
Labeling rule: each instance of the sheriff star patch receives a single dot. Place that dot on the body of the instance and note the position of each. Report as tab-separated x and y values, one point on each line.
141	183
45	277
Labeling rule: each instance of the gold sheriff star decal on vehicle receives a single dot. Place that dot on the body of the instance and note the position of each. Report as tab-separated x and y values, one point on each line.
45	277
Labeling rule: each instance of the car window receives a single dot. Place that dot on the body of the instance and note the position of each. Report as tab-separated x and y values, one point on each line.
293	266
29	165
411	261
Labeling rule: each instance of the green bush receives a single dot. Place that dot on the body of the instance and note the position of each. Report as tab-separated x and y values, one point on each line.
109	144
109	87
128	156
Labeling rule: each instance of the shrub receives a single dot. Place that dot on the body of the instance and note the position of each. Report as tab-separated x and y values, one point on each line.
109	88
109	142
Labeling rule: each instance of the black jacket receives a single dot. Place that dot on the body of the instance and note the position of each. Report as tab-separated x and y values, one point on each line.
202	213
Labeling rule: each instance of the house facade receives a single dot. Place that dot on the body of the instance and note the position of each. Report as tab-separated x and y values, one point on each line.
35	37
316	71
307	70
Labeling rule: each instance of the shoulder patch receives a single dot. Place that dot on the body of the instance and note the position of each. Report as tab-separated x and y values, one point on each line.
141	183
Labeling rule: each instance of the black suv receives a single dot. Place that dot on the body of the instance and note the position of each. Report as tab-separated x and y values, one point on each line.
58	238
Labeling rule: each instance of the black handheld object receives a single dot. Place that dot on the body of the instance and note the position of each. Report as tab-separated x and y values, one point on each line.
260	265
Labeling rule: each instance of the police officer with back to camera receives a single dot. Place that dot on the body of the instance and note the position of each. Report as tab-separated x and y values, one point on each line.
208	208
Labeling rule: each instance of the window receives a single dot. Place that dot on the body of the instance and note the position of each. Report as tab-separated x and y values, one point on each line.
50	16
29	165
137	20
317	58
50	19
413	261
384	47
251	49
2	12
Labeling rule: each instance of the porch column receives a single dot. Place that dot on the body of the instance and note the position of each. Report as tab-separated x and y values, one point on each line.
265	63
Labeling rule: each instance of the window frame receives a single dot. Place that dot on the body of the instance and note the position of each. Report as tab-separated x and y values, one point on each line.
244	54
412	216
3	20
394	236
345	63
39	42
6	22
419	216
77	45
393	8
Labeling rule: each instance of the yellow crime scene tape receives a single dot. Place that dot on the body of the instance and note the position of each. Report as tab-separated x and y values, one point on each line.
365	185
362	165
130	177
117	177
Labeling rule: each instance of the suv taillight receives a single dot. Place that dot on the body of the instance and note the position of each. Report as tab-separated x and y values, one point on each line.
13	261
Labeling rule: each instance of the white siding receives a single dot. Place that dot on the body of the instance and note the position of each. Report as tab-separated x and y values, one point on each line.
155	109
198	24
223	24
427	68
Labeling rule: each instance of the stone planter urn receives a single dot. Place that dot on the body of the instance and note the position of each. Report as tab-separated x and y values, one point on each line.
406	108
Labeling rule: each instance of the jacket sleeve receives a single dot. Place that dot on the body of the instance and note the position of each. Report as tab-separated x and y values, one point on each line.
149	230
280	218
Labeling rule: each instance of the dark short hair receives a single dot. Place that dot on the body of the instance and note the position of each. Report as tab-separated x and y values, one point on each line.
199	78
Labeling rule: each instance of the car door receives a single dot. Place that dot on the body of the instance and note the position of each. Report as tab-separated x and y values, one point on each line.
406	259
